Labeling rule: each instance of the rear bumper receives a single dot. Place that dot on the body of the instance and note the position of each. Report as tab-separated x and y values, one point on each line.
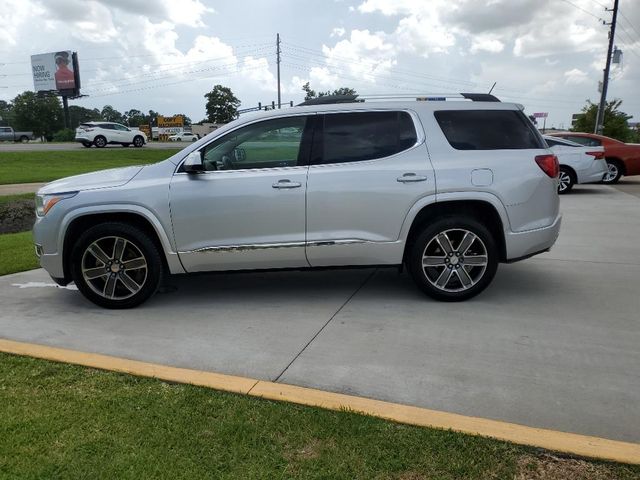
594	173
525	244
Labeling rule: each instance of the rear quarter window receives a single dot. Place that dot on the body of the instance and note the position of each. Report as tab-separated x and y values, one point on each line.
488	130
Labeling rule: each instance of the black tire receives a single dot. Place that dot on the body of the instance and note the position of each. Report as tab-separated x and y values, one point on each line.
87	144
138	245
566	180
100	141
138	141
178	139
24	139
614	173
454	290
194	139
125	145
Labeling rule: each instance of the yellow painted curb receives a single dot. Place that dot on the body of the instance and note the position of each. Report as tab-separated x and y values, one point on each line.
571	443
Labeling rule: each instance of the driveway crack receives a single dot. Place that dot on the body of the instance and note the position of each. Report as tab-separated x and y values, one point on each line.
366	280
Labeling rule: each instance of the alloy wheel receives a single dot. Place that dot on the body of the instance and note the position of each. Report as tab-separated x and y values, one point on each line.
564	181
454	260
114	268
612	173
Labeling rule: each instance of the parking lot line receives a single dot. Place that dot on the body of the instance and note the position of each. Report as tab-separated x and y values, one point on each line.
571	443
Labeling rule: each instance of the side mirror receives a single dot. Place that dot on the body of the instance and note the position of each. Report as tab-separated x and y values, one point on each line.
193	163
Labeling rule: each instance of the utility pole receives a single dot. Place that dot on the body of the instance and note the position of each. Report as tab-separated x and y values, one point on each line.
605	82
278	62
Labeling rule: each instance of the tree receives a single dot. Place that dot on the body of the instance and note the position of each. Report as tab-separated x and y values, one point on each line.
110	114
6	113
42	115
222	105
78	115
310	93
135	118
615	121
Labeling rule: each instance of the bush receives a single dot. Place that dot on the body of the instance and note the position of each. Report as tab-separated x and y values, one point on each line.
64	135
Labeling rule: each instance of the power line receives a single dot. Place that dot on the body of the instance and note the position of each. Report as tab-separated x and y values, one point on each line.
629	22
583	9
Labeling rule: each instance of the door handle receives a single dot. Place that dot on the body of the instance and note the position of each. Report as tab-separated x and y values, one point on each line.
285	183
411	177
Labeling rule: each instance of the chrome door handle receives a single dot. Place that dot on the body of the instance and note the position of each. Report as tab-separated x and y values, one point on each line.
411	177
284	183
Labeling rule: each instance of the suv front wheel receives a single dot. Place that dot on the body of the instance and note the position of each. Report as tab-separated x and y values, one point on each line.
116	265
453	259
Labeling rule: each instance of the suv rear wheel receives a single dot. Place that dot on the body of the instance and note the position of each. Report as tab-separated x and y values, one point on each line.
116	265
453	259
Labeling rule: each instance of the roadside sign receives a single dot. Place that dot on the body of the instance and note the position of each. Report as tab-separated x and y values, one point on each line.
541	115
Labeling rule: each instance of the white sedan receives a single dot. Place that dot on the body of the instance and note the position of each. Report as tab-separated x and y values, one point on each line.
183	137
578	164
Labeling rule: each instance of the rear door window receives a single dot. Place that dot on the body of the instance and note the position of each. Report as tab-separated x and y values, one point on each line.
488	130
359	136
586	141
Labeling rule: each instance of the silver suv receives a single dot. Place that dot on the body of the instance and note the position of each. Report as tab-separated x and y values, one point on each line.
447	188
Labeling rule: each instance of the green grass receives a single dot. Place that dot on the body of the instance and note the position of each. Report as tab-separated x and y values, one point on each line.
4	199
17	253
64	421
31	167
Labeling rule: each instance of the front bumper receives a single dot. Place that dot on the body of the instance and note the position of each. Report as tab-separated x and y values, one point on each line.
531	242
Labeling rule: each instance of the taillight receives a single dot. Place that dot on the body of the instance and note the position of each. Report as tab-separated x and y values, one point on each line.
596	155
549	164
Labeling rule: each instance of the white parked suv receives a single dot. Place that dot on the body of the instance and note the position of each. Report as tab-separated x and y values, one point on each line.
448	189
102	133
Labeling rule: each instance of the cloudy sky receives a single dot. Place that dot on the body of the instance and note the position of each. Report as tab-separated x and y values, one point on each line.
166	54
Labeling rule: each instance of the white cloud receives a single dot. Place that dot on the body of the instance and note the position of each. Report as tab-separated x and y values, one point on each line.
487	43
337	32
575	76
363	55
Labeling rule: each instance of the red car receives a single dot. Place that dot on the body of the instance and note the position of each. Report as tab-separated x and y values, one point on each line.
622	158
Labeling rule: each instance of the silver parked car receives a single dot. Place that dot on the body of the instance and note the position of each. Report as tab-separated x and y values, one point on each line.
447	188
578	164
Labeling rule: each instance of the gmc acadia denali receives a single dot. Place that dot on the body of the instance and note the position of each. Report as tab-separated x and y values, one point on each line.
448	189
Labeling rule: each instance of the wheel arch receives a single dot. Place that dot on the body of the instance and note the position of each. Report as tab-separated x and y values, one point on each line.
571	171
481	209
621	164
139	218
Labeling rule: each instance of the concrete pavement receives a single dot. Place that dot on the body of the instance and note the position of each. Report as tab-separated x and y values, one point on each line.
552	343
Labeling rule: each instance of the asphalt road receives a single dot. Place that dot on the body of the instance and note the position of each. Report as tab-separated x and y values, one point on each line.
553	342
39	147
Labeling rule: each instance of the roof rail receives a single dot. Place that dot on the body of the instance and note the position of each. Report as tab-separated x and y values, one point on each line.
326	99
433	97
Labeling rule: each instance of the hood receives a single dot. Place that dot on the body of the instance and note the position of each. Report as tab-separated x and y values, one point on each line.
115	177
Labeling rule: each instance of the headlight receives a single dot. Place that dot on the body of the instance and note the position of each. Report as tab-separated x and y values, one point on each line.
45	202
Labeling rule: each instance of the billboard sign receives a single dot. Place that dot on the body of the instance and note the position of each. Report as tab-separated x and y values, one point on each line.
169	126
541	115
56	71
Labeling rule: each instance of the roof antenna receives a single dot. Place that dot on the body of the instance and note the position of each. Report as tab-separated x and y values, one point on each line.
494	84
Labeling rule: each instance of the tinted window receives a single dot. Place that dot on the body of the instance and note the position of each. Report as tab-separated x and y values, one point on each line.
121	127
488	129
272	143
353	137
107	126
586	141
